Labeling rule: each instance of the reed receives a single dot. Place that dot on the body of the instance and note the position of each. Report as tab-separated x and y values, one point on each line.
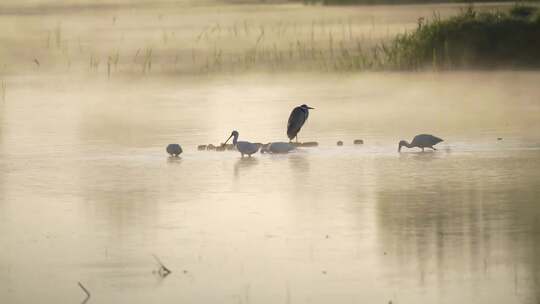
470	39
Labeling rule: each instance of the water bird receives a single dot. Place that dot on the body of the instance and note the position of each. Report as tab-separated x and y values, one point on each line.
340	143
421	141
358	142
298	117
174	149
277	148
244	147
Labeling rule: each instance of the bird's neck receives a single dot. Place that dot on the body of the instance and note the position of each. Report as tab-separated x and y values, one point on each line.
235	140
406	144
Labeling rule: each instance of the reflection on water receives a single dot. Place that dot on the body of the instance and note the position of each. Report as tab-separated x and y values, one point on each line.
244	164
447	221
80	202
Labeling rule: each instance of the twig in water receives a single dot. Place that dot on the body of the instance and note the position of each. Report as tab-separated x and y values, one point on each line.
85	291
163	271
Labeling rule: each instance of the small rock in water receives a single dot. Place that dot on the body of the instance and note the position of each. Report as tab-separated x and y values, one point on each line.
499	138
358	142
309	144
229	147
340	143
201	147
174	149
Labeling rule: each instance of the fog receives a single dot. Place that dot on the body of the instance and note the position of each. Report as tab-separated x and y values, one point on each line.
94	91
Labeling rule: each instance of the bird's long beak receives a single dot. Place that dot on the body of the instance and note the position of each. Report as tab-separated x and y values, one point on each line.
227	140
310	108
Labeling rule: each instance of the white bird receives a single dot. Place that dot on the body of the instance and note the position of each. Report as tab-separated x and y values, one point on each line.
421	141
244	147
278	147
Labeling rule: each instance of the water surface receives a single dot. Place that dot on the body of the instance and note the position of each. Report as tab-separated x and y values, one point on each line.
88	194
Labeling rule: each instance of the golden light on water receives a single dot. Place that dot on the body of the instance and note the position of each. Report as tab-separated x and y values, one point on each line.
88	194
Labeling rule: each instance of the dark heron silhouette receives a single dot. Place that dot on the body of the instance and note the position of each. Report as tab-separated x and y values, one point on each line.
174	149
244	147
421	141
296	120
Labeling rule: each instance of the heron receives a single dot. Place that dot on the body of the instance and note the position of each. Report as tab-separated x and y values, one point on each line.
298	117
421	141
277	148
174	149
244	147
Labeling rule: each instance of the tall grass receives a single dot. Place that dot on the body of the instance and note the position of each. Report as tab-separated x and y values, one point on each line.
396	2
470	39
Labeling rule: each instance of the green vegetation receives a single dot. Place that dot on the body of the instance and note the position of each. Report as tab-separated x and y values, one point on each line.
397	2
470	39
341	40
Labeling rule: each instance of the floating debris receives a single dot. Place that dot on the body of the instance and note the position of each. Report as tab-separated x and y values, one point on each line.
220	148
499	138
162	271
210	147
227	146
340	143
174	150
358	142
201	147
306	144
85	291
310	144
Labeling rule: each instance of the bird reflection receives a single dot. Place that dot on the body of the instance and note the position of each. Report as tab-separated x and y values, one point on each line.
420	156
299	163
174	160
244	164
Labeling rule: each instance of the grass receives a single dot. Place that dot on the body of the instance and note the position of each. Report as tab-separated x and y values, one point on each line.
470	39
396	2
325	44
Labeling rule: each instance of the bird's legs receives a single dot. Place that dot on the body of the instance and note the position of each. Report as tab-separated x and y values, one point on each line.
433	148
422	149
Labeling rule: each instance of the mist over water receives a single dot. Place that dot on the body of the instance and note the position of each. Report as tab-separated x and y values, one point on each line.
88	194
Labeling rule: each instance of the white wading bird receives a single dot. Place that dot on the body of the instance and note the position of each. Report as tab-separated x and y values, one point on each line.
244	147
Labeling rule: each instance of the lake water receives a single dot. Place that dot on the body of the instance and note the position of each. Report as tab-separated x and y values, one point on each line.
88	194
